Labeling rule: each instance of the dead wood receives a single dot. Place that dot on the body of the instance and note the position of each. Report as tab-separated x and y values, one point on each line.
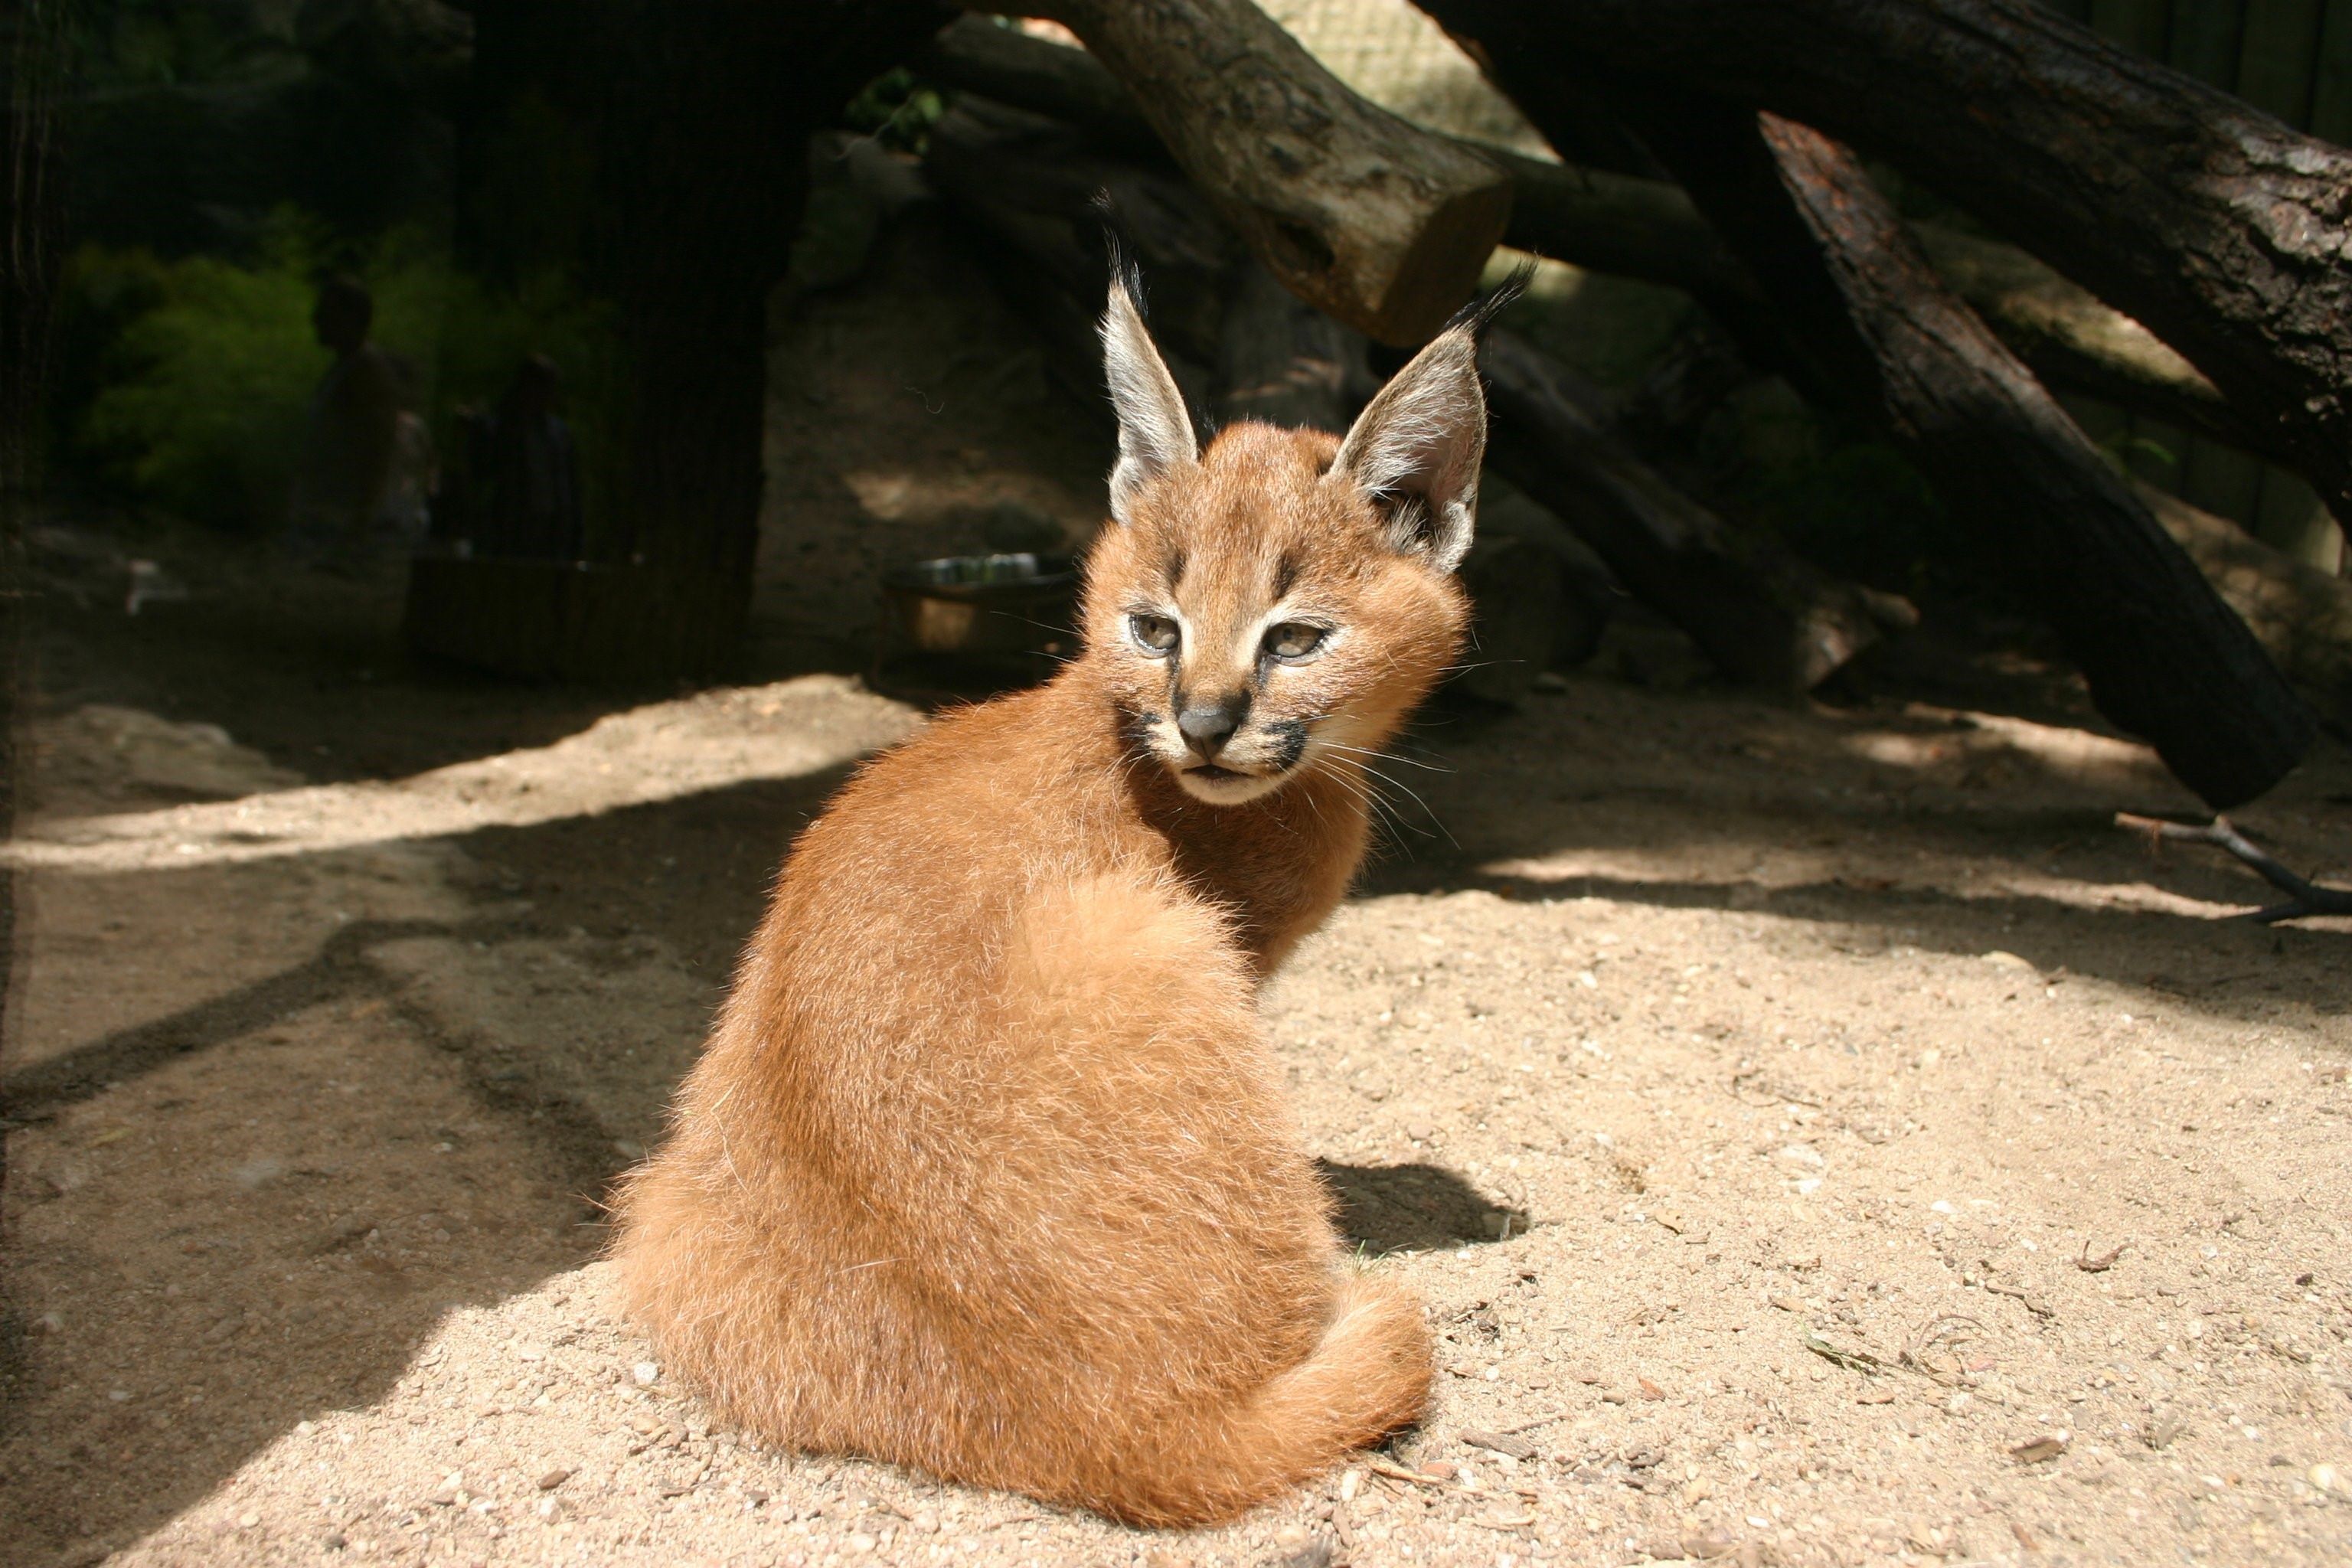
2163	657
1372	219
1647	229
2223	230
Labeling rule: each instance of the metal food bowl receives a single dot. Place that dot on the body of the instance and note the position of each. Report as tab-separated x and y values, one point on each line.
997	616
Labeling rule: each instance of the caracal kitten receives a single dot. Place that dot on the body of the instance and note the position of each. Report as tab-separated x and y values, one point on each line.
986	1169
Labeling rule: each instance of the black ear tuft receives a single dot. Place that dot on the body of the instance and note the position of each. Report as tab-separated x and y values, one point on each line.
1118	253
1480	314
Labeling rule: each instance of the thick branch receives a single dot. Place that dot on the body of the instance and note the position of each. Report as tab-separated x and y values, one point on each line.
1368	218
1647	229
2226	232
2163	657
2305	898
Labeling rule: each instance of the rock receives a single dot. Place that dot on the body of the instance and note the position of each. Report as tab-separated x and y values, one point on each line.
1500	1443
1315	1554
2036	1450
646	1373
552	1479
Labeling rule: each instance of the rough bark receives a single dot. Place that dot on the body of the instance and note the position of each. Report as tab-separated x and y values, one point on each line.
973	54
1759	612
2224	231
1372	220
2163	657
1647	229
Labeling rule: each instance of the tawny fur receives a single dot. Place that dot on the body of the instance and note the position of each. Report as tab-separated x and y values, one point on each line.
986	1169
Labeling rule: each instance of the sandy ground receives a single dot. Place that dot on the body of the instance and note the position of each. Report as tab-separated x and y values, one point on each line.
1819	1136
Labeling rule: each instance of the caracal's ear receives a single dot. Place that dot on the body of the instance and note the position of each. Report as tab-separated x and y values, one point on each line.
1155	433
1416	448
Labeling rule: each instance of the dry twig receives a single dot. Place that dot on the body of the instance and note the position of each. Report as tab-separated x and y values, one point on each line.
2305	898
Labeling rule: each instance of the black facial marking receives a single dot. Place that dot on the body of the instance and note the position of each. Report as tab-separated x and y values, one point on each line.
1176	569
1292	734
1138	728
1286	573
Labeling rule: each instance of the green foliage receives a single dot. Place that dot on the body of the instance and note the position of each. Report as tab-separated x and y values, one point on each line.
897	110
199	371
200	412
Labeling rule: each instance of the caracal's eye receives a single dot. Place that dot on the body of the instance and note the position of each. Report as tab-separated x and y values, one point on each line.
1156	635
1293	639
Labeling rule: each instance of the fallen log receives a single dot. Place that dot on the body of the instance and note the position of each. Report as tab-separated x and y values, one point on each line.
1647	229
2162	656
2223	230
1760	614
973	54
1369	219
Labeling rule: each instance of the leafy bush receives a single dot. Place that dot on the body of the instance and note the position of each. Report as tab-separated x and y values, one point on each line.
199	405
199	371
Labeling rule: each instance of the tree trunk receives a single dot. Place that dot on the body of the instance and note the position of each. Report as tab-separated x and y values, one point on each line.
2226	232
656	154
1372	220
2163	657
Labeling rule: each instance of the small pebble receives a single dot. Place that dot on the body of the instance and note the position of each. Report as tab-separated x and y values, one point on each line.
646	1373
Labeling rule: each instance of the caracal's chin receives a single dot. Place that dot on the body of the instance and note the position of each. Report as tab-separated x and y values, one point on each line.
1227	786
